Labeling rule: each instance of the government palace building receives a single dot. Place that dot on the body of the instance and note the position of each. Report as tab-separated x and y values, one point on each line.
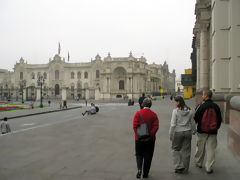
99	79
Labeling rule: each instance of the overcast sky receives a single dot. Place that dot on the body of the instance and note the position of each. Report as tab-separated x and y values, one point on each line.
158	29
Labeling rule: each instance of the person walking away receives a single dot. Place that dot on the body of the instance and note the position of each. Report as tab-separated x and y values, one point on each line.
60	104
5	127
49	102
140	100
208	118
181	129
144	147
65	104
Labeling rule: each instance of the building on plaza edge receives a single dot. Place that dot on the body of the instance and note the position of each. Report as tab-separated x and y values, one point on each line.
110	78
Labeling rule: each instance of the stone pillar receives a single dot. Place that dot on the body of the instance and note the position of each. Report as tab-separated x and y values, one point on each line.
204	57
197	45
97	94
64	93
87	94
38	98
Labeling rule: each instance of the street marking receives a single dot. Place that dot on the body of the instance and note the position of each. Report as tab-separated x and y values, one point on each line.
28	124
39	126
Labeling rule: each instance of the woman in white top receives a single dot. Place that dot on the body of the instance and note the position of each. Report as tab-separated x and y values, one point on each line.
181	129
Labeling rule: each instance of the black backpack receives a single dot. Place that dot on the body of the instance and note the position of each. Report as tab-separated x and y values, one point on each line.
97	109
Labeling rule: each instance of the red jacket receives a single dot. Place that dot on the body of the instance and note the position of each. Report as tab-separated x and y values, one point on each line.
150	118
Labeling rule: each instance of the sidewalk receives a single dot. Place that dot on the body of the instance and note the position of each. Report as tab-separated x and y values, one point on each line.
54	107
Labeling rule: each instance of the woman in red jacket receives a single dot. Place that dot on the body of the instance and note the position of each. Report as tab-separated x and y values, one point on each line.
145	147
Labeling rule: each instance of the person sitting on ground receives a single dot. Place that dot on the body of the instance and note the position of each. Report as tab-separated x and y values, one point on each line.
5	127
92	110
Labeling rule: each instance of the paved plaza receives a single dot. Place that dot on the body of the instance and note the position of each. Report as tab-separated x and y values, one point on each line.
65	145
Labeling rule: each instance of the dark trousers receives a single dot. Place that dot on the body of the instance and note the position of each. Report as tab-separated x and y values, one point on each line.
144	153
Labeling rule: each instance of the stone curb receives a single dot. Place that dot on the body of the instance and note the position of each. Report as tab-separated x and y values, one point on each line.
45	112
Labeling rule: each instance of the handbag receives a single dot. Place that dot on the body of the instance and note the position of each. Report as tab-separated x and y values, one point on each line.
142	130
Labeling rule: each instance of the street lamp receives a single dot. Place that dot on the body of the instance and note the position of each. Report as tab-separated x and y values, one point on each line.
41	81
22	84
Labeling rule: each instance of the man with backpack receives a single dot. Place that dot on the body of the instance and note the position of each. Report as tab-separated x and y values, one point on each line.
208	118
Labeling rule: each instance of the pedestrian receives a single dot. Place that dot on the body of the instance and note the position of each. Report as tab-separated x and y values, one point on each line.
65	104
144	147
49	102
60	104
5	127
181	129
91	110
140	100
208	118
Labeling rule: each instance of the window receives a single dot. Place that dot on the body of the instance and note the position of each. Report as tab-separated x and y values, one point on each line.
45	75
33	75
97	74
57	75
85	75
121	85
72	88
21	75
79	75
72	75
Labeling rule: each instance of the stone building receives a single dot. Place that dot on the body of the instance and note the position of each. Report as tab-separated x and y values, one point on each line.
217	33
216	54
107	78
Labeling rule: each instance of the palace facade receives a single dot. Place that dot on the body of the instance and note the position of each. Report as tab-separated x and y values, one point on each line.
108	78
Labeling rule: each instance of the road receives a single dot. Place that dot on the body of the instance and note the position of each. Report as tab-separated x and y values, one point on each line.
66	145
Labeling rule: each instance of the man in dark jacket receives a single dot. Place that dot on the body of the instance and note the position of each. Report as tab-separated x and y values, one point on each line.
140	100
208	118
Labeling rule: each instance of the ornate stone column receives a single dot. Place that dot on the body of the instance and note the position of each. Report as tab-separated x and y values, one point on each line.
38	94
64	93
197	45
204	56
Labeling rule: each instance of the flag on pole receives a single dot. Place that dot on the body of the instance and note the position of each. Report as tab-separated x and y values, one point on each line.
68	56
59	48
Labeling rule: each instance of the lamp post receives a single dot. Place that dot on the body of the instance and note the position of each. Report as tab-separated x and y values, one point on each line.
22	84
41	81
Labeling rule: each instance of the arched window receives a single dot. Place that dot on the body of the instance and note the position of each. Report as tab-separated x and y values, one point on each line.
79	75
57	75
45	75
97	74
33	75
21	75
72	75
121	85
57	89
85	75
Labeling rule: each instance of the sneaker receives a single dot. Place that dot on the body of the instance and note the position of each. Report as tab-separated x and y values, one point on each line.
179	171
209	171
199	166
145	175
139	173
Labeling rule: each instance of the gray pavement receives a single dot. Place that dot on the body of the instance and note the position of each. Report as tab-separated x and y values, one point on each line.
66	145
